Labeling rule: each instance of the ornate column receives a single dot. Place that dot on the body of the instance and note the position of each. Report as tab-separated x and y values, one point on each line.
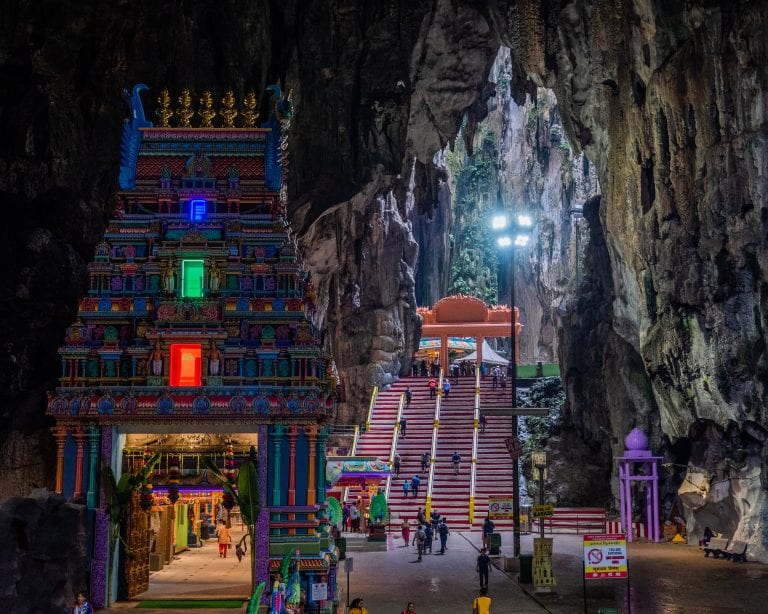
101	552
262	524
311	477
322	437
60	435
292	435
80	443
279	431
93	465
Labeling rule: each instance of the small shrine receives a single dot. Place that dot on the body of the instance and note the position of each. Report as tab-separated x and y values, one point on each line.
639	465
195	344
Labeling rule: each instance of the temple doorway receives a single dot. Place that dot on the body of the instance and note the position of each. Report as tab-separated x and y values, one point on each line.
172	528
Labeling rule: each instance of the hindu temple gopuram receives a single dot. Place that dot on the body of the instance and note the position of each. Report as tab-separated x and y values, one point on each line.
195	342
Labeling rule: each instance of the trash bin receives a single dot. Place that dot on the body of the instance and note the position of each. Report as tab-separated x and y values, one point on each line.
495	543
526	569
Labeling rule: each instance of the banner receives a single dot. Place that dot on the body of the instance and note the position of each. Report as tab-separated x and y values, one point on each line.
500	508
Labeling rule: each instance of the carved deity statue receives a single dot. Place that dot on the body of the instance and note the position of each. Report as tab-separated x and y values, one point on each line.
185	112
157	360
214	360
169	279
206	110
229	113
249	114
214	278
164	111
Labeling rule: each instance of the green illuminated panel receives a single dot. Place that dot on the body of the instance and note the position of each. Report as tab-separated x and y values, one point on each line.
192	278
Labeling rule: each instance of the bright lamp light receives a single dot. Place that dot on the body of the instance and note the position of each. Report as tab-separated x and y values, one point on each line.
504	241
499	221
521	240
525	221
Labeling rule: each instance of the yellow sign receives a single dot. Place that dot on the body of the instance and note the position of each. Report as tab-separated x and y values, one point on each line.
500	508
543	510
605	556
543	580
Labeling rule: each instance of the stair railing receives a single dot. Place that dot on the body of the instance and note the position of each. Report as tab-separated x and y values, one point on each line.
393	447
473	468
374	394
433	450
352	453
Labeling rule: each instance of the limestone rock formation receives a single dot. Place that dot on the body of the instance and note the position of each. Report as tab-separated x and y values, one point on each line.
44	563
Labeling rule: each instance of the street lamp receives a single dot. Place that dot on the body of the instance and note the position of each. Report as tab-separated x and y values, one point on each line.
539	460
511	233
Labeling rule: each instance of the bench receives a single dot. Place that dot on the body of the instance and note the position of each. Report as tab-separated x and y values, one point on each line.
716	547
736	552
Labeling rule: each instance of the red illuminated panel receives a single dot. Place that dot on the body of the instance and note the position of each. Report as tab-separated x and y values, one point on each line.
185	364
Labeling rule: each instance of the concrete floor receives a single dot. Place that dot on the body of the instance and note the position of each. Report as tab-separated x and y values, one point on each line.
665	579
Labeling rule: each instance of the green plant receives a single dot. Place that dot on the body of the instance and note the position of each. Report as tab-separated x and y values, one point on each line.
246	496
118	495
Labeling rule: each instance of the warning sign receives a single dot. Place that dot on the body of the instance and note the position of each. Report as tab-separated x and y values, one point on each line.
500	508
543	580
605	556
543	510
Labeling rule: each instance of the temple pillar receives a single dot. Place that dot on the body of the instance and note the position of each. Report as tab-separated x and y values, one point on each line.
311	479
322	437
60	435
444	352
80	444
262	523
292	435
279	431
101	554
93	465
479	349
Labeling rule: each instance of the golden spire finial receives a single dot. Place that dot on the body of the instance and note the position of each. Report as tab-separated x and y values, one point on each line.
250	114
229	113
185	112
164	112
206	110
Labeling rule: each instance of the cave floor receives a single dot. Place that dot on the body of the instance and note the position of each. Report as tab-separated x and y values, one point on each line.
665	578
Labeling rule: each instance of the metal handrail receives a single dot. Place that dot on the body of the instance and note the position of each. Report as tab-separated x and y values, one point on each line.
354	449
374	394
473	468
393	447
435	427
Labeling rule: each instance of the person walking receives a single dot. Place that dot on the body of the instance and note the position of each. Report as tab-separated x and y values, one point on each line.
446	387
444	532
415	481
414	369
224	539
482	604
483	568
396	465
420	517
456	460
408	396
406	486
420	539
483	423
405	529
425	460
354	515
403	425
434	518
429	535
488	528
432	383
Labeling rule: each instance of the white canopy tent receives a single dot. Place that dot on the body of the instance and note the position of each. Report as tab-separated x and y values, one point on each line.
489	356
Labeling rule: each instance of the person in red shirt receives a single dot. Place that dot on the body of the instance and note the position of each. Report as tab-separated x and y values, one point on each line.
432	383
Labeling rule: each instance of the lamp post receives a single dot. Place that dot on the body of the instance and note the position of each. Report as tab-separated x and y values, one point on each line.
539	460
510	234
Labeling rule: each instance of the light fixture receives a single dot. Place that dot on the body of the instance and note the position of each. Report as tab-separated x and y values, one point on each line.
521	240
504	241
524	221
499	221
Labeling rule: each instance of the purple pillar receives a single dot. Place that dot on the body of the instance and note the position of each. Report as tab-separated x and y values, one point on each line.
101	554
637	451
262	528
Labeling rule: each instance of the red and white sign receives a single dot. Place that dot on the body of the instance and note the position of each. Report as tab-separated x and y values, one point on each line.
514	447
605	556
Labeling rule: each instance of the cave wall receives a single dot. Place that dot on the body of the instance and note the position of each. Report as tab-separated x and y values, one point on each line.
668	100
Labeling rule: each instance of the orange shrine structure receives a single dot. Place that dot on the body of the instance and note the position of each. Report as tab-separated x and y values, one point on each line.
467	316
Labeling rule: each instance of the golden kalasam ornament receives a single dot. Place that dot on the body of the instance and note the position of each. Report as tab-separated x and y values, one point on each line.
250	114
185	112
164	111
229	113
206	112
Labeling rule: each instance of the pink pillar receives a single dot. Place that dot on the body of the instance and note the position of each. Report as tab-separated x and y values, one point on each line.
80	442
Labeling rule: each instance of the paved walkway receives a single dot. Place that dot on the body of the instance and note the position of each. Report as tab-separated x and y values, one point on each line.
666	578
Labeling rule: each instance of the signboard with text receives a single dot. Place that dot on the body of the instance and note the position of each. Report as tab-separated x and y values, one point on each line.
500	507
605	556
514	447
543	510
318	591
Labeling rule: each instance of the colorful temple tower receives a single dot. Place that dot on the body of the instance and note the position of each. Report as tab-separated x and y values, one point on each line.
196	340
